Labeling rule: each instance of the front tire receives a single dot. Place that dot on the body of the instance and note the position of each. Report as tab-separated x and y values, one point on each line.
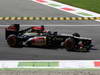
69	44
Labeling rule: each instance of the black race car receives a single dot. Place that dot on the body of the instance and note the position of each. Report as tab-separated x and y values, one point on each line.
38	36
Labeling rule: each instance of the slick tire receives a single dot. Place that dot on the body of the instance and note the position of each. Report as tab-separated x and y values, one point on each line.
69	44
13	41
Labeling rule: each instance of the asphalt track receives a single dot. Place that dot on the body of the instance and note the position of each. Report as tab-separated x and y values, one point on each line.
45	72
29	8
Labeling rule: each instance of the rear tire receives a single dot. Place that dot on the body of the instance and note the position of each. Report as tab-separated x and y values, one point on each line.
13	41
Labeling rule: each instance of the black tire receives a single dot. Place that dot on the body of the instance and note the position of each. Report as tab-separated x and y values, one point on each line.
69	44
76	34
13	41
87	45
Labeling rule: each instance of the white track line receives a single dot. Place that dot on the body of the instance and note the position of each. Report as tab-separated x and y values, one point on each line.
76	9
56	25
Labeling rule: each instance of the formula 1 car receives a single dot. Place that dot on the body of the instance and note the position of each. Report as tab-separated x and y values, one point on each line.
40	37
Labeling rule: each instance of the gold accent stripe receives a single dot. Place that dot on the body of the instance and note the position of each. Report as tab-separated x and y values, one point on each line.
49	18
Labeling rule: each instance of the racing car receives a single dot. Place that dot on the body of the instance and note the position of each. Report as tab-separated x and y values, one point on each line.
40	37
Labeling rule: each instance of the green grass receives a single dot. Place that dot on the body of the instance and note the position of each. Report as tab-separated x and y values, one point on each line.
36	64
92	5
